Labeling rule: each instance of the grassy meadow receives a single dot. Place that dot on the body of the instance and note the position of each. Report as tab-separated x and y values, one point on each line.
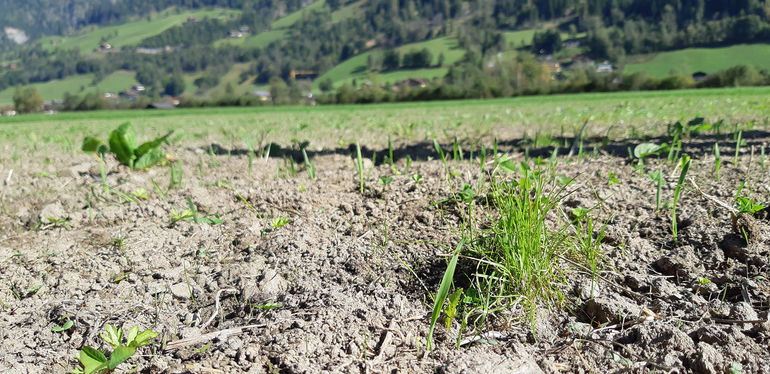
617	115
129	33
357	67
707	60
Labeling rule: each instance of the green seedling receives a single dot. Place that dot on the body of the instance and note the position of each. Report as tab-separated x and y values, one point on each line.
309	165
494	153
717	160
417	178
737	148
279	222
716	127
268	306
612	179
677	192
408	163
66	326
213	158
451	309
175	170
158	190
441	156
140	193
123	144
250	147
482	158
658	178
390	152
360	167
192	214
443	291
744	204
385	181
644	150
457	151
762	157
96	362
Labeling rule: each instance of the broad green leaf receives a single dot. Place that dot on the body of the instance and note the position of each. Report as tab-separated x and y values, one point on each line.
443	290
90	144
92	360
122	143
564	180
151	145
149	159
647	149
508	166
119	355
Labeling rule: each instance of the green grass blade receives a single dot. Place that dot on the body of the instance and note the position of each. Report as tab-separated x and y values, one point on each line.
443	290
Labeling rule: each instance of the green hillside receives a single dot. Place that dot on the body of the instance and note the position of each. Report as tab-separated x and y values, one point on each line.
356	67
130	33
292	18
278	29
120	80
707	60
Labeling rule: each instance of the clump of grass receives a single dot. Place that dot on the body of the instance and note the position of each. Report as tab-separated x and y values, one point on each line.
519	257
519	249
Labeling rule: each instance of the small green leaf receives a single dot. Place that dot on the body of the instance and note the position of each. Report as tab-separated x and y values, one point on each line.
508	166
66	326
564	180
132	332
90	144
113	337
144	338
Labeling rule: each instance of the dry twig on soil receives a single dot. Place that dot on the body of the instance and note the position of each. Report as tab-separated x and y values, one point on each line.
221	335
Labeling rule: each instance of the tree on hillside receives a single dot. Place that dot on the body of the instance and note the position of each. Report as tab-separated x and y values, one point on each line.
279	91
27	100
548	41
173	85
391	60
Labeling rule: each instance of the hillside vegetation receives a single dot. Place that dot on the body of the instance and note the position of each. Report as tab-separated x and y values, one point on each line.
232	47
707	60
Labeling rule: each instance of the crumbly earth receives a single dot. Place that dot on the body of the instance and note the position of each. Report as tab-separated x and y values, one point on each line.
344	284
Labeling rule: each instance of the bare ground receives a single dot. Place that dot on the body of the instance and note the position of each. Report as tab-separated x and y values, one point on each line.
345	285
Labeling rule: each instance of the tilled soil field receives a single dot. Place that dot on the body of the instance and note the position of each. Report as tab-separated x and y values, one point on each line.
311	276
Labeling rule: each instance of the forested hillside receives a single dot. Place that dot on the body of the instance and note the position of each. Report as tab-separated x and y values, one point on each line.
269	39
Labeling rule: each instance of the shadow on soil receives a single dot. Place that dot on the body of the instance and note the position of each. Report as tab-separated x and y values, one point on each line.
696	146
